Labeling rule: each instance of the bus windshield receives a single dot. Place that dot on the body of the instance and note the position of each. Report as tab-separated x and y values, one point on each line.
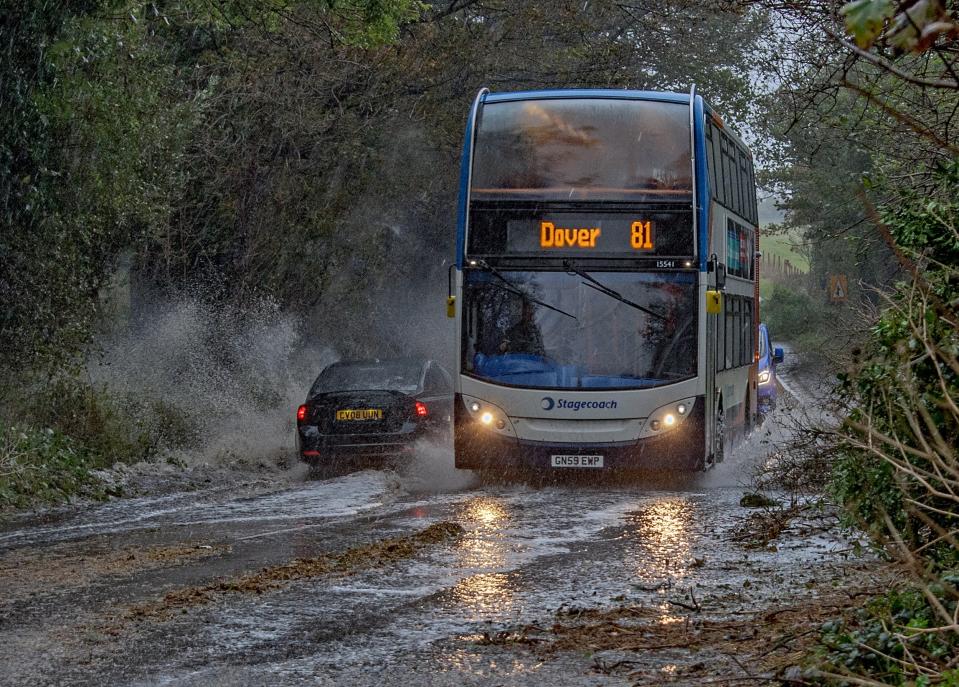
612	330
582	149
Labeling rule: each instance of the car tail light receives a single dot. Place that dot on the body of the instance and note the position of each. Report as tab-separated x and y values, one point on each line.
301	413
421	409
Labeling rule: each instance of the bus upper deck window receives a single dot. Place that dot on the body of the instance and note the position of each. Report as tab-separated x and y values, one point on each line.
581	149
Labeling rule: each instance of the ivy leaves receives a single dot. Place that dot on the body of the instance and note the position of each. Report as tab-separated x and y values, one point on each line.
865	19
905	27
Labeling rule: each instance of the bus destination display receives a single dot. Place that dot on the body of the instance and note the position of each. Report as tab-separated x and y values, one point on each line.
637	235
552	236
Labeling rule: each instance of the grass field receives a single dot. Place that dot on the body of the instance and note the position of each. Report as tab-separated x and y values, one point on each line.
784	246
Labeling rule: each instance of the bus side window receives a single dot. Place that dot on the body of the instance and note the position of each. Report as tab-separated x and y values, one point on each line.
733	171
746	207
710	158
737	332
730	328
729	172
721	340
717	164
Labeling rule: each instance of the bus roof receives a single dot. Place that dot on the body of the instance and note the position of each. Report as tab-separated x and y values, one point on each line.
619	94
611	93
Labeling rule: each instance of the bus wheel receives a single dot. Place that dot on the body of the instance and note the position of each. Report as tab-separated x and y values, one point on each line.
719	438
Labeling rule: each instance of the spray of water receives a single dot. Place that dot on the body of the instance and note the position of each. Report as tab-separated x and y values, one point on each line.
236	374
432	471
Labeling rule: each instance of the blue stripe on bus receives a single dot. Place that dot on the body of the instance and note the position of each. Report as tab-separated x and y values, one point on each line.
682	98
461	208
702	181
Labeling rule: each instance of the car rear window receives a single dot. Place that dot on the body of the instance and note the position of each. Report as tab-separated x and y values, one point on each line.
387	375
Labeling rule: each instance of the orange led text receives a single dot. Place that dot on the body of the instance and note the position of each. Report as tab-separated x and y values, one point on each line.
551	236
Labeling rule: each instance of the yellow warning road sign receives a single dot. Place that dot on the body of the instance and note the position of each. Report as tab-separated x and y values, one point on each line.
838	288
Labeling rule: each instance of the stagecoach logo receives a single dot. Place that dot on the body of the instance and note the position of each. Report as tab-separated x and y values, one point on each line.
563	404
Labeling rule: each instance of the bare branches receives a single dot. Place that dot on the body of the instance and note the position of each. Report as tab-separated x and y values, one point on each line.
889	66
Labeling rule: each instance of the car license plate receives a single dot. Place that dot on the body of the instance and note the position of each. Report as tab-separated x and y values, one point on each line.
359	414
576	461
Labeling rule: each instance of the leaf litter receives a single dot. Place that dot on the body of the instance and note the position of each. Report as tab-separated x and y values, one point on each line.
376	554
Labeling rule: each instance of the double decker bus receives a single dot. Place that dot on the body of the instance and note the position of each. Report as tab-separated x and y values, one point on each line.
604	288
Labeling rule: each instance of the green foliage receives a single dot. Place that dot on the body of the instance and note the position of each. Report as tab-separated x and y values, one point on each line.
868	490
926	222
113	428
875	641
367	23
74	429
905	26
902	428
98	103
792	314
44	466
86	165
892	404
866	19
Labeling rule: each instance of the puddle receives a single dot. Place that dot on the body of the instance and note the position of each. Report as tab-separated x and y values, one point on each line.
341	497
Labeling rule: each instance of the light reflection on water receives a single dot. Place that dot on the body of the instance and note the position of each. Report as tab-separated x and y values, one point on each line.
667	615
484	549
663	540
469	664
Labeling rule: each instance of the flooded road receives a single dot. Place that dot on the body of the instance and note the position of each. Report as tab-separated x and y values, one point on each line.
382	578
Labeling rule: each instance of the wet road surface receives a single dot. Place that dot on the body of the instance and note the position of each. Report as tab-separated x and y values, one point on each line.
334	582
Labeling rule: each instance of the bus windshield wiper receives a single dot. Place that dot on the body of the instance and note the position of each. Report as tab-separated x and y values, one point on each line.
594	283
516	289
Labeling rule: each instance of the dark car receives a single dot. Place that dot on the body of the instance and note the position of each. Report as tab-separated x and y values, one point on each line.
373	408
768	359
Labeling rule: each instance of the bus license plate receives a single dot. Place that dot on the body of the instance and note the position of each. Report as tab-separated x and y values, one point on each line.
576	461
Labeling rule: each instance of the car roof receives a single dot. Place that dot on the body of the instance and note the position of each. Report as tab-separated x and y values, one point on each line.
372	362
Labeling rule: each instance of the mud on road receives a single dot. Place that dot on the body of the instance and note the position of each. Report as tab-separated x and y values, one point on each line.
424	577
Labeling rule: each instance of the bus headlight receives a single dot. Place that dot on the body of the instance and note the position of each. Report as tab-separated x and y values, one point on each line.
764	377
667	417
489	416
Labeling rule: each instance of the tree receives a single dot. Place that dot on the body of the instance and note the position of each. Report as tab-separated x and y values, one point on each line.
97	107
